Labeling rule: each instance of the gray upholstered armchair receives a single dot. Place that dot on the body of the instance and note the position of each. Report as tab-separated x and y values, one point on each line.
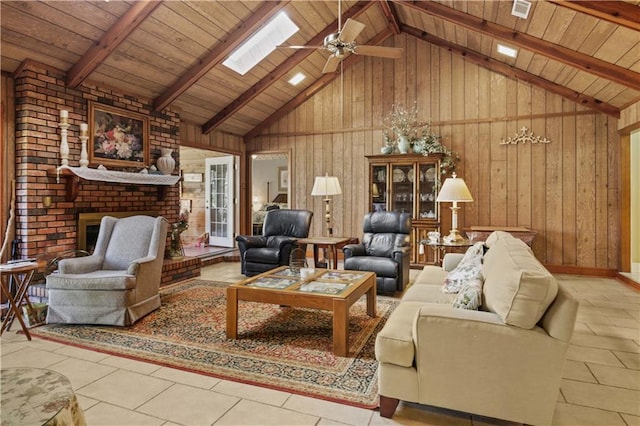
280	231
118	284
385	250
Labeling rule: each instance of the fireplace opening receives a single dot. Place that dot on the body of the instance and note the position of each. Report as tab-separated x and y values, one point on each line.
89	226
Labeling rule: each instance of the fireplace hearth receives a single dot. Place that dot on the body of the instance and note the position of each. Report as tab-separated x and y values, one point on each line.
89	225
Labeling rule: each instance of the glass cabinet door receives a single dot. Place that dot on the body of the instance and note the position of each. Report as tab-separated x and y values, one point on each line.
378	188
402	188
427	191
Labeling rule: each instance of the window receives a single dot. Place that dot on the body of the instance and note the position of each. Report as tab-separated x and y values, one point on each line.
297	79
256	48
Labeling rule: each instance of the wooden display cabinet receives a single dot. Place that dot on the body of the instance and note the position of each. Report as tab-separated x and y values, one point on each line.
408	183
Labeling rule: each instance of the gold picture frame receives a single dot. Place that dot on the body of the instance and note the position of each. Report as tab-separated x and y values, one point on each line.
117	137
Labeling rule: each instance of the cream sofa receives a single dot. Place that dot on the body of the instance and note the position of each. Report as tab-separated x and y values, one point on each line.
503	361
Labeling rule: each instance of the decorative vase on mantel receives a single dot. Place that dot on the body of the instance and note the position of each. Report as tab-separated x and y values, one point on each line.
403	144
166	163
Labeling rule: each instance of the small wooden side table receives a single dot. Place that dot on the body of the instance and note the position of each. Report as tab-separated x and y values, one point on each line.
332	244
22	274
441	247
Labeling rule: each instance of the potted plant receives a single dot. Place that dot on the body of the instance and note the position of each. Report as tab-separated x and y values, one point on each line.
403	124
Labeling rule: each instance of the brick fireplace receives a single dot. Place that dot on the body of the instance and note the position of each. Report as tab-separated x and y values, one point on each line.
46	223
88	226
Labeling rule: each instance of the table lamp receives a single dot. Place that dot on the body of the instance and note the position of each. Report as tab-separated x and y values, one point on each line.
455	191
326	186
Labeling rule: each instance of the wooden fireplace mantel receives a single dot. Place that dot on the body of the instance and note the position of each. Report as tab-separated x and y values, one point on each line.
73	176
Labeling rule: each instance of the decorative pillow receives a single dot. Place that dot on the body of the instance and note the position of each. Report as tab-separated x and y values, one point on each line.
470	296
495	236
470	267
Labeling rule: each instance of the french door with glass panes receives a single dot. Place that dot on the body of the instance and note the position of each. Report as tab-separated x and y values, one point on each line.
219	200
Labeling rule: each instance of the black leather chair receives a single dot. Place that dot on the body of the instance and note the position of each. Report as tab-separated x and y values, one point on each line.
385	250
280	231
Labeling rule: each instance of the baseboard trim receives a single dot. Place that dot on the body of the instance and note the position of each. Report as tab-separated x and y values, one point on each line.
580	270
628	281
593	272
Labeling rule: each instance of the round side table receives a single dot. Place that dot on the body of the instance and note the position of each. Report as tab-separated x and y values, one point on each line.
441	247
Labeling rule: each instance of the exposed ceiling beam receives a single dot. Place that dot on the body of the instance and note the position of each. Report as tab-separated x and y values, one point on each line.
281	70
118	33
236	37
553	51
513	72
617	12
391	15
313	89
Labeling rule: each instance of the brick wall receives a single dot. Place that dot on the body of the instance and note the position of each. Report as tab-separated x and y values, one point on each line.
40	95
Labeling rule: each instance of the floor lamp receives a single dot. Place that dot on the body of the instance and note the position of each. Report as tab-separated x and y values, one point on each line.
325	186
455	191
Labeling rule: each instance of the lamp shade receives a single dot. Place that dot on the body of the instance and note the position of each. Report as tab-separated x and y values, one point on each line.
454	189
326	185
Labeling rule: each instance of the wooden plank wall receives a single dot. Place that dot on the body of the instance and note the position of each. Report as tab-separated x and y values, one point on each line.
7	157
567	190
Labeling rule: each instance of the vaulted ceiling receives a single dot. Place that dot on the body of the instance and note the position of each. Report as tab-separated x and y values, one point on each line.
172	51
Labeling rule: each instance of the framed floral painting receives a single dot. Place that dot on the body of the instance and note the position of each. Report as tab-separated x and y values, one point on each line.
119	138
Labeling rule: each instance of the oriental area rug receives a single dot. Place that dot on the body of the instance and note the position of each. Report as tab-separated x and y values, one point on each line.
283	348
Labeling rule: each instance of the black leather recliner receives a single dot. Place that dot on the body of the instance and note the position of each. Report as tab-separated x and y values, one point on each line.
280	231
385	250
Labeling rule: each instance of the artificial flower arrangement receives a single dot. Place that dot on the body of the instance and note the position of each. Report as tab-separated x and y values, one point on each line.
404	123
175	247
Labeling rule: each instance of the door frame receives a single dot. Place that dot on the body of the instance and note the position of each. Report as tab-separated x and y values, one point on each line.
246	223
231	163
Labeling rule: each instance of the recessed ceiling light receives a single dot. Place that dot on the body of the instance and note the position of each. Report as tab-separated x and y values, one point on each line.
521	8
505	50
297	79
256	48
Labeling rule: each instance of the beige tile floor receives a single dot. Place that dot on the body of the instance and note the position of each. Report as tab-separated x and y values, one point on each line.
601	384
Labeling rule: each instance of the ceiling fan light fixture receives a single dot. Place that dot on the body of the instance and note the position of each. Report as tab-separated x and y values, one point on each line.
297	79
507	51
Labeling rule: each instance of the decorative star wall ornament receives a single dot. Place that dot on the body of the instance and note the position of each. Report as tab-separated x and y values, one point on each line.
524	136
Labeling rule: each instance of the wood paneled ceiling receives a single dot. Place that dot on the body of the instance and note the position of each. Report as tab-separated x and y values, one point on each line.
172	51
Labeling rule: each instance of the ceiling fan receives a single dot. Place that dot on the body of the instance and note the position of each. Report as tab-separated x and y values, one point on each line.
343	42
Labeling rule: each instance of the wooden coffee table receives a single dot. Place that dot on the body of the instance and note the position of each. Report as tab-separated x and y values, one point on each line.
329	290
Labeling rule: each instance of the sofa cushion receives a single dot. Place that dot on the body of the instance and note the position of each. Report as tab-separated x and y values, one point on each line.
394	343
516	286
469	296
469	268
428	293
431	275
495	236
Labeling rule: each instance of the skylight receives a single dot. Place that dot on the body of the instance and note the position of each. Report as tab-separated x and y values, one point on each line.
297	79
506	50
256	48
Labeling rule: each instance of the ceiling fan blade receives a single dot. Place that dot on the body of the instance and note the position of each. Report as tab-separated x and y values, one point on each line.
299	47
380	51
351	30
331	65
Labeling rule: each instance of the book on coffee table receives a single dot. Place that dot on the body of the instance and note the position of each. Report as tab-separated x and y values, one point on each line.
323	287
